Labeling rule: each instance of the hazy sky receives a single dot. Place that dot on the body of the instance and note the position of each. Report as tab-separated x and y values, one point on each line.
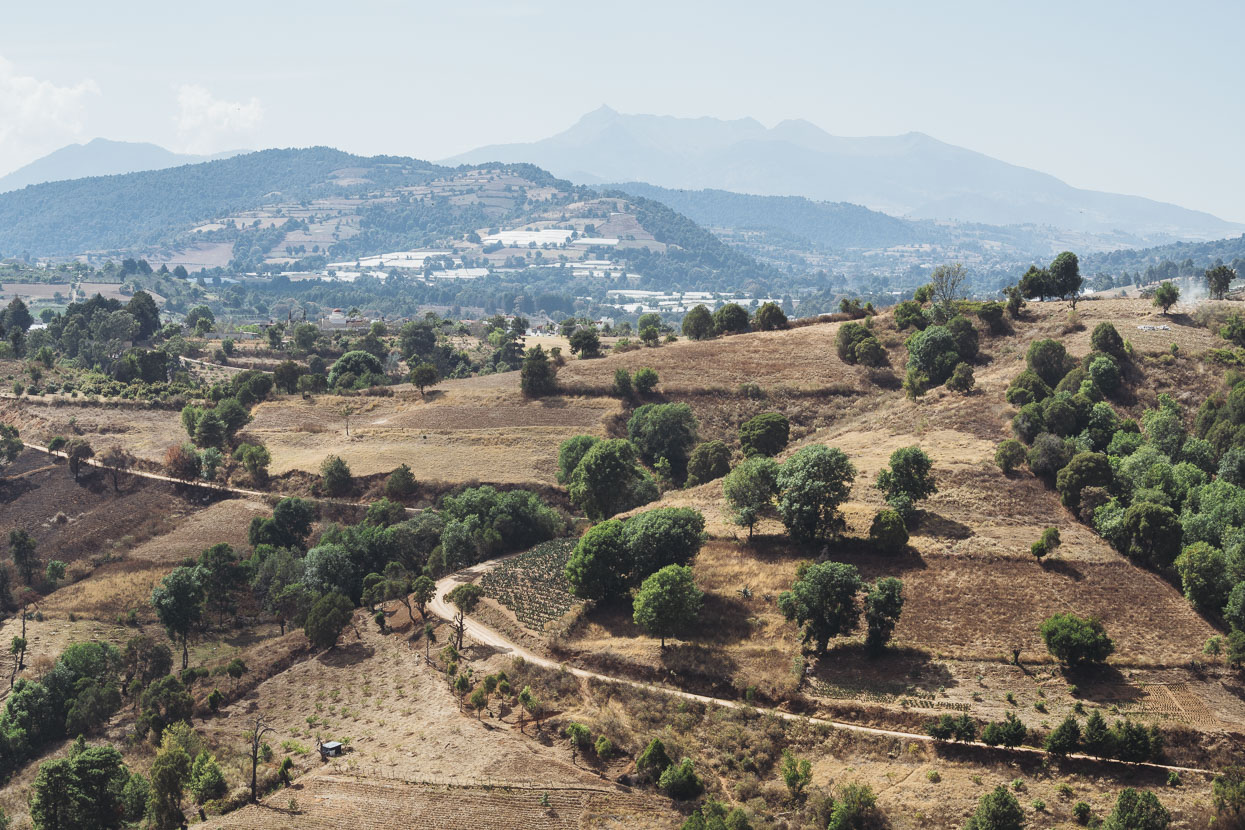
1132	97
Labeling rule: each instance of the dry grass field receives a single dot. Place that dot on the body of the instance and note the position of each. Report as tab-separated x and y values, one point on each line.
479	429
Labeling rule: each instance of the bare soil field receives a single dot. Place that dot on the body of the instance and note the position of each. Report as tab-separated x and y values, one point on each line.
480	429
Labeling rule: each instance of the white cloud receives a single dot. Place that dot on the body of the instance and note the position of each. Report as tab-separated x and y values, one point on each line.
207	124
37	116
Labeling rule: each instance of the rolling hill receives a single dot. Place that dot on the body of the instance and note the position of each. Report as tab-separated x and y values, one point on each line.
910	175
99	157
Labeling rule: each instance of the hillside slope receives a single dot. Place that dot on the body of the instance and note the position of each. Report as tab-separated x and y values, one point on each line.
99	157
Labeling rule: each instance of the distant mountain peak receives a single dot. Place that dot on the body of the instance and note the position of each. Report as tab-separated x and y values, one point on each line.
100	157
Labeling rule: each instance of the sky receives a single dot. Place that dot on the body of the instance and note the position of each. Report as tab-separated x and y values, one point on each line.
1130	97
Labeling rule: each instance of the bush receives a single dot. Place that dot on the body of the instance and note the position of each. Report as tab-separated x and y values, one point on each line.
731	319
915	384
991	313
645	380
653	761
664	431
1048	455
887	532
401	483
680	782
571	452
769	317
336	476
849	337
1138	810
1107	340
934	353
1009	455
997	810
622	383
765	434
1064	739
1027	388
962	379
710	460
1049	360
908	315
1105	373
1076	641
1081	812
1151	533
965	337
1086	469
359	364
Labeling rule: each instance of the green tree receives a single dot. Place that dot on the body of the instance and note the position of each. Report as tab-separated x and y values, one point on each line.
698	323
769	317
1107	339
1218	278
585	342
708	461
78	451
1203	571
668	601
797	774
883	605
1137	811
1064	739
169	773
823	601
336	476
608	480
423	376
997	810
359	364
750	489
1076	641
1048	359
666	431
207	780
645	380
680	781
765	434
1228	792
1151	533
465	598
22	549
536	378
812	484
887	532
1009	455
622	383
933	353
962	379
599	566
1166	296
164	702
910	474
571	452
1065	277
731	319
401	483
653	761
10	445
1086	469
326	619
178	603
855	808
80	792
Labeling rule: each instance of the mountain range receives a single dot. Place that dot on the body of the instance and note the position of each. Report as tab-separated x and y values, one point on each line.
910	175
100	157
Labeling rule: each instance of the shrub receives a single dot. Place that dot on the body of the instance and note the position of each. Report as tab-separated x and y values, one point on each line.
965	337
887	532
1049	360
1027	388
997	810
849	336
1029	423
1064	739
653	761
765	434
1106	339
1076	641
698	323
1105	373
1048	455
1138	810
622	383
336	476
1086	469
909	474
401	483
710	460
991	313
915	384
645	380
934	353
680	782
536	377
769	317
854	809
1009	455
908	315
664	431
962	379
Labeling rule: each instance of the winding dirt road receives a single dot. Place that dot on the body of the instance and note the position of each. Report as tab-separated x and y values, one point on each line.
486	636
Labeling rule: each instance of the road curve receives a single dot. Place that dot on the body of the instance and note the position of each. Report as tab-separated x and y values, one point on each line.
482	634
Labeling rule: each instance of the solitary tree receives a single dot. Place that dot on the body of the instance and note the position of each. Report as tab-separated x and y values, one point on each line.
10	445
698	323
1166	296
536	376
997	810
1137	811
423	376
256	736
765	434
78	451
947	284
336	476
464	597
1076	641
22	549
118	461
823	601
667	602
910	474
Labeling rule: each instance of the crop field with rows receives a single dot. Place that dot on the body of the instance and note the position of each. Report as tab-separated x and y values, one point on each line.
532	584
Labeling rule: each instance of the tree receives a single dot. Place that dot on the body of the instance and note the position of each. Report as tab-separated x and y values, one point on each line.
608	480
1107	339
933	353
169	774
117	460
997	810
358	364
10	445
622	383
1228	792
1076	641
585	342
887	532
657	538
1009	455
55	572
336	476
285	376
854	808
182	462
164	703
1064	739
823	602
811	485
77	452
423	589
220	573
653	761
883	604
1047	543
80	792
710	460
1204	577
750	489
423	376
910	474
536	378
947	284
22	549
256	736
680	781
1065	277
599	566
178	602
698	323
235	670
1086	469
1218	278
962	379
797	774
401	483
731	319
666	431
465	598
326	619
207	781
1049	360
1151	533
1166	296
571	452
765	434
769	317
1137	811
667	602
